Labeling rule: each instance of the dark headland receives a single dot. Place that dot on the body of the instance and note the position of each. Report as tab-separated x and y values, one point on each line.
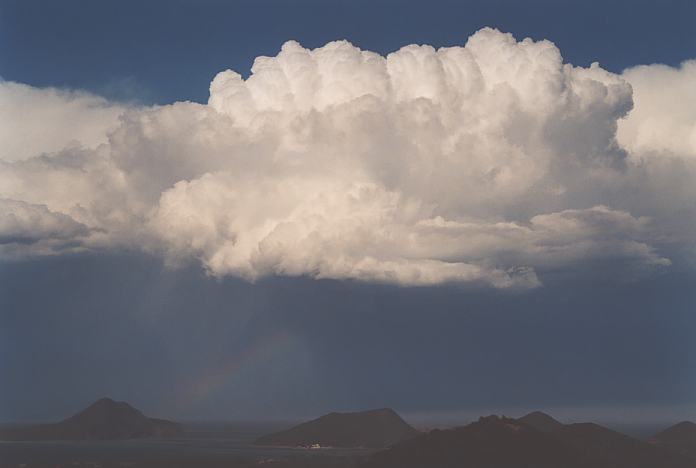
540	442
679	438
374	429
368	439
105	419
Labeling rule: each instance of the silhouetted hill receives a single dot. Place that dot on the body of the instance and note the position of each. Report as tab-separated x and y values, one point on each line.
680	438
540	421
105	419
495	442
374	428
492	442
618	450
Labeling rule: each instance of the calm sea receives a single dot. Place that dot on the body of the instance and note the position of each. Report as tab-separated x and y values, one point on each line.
203	444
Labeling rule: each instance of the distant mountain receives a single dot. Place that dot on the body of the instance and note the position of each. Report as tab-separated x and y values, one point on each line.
680	438
495	442
540	421
105	419
492	442
374	428
618	450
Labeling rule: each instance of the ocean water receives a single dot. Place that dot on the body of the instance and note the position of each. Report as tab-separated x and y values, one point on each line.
203	445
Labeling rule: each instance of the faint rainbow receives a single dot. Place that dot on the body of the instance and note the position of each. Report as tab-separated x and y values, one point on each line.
217	377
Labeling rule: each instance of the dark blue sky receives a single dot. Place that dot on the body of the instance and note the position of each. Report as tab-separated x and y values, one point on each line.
180	344
161	51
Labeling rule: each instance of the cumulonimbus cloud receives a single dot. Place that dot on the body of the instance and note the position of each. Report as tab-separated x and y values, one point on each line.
485	164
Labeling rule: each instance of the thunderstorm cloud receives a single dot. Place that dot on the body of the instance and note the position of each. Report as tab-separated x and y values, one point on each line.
489	164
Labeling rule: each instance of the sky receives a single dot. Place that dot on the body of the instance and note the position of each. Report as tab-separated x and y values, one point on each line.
272	210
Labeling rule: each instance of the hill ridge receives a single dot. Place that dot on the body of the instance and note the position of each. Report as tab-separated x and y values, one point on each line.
370	428
105	419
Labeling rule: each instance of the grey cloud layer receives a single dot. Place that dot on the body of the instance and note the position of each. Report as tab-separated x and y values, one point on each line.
485	164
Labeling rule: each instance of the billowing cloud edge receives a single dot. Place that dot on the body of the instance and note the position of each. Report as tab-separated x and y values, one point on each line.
483	164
